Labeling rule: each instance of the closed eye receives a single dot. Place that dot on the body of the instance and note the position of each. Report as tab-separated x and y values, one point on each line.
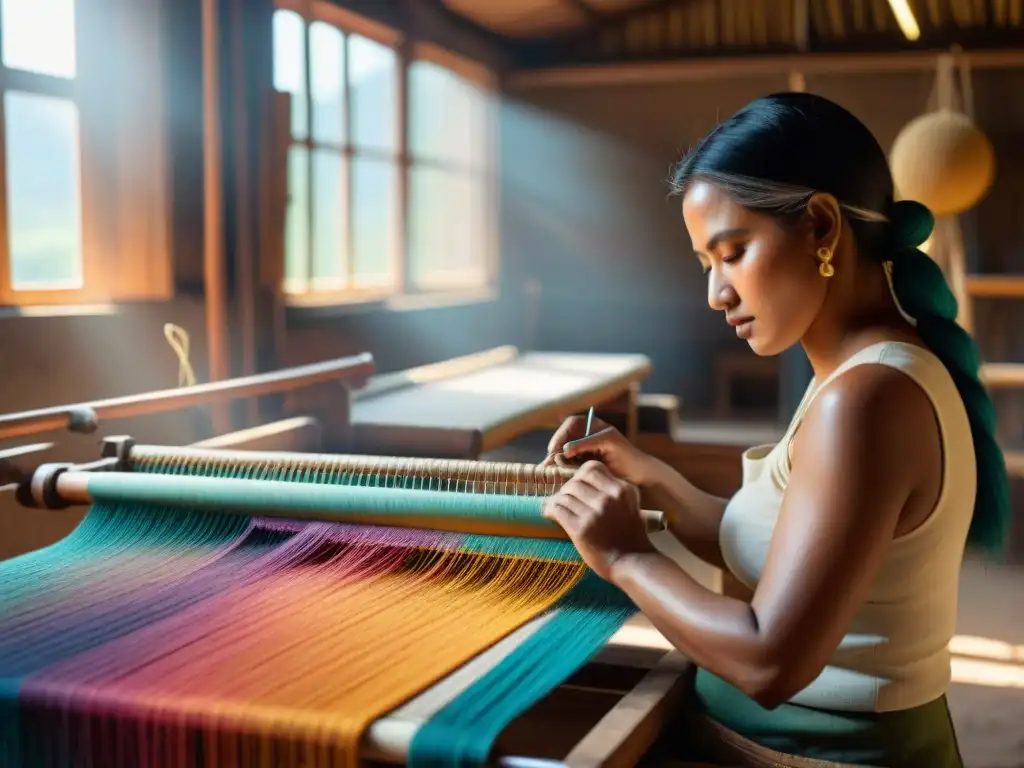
705	267
735	255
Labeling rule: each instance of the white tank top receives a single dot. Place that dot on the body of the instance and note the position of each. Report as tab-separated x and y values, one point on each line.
895	653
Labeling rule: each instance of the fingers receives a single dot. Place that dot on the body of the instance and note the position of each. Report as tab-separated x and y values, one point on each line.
571	428
557	460
596	443
589	494
597	476
564	510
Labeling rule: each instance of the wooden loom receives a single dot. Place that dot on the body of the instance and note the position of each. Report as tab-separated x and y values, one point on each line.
617	703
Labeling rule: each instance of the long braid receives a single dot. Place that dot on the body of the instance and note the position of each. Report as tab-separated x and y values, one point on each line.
924	294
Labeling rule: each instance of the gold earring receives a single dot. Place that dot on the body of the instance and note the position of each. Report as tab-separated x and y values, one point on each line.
825	269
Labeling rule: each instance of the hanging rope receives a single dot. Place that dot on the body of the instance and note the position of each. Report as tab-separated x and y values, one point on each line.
178	339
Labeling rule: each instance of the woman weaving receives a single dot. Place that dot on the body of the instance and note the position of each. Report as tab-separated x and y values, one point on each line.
851	530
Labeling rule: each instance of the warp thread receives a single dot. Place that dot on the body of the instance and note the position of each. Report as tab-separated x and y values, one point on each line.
186	639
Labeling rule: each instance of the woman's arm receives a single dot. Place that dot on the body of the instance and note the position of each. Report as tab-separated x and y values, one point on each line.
693	516
857	460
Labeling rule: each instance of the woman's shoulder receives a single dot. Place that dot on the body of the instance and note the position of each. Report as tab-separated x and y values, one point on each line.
880	398
873	413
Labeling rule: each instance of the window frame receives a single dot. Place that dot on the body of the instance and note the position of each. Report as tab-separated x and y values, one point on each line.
145	279
401	293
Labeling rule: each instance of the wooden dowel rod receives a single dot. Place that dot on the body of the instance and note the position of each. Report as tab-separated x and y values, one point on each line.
355	368
454	470
298	501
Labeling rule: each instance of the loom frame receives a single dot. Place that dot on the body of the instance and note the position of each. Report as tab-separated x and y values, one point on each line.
657	676
648	683
85	417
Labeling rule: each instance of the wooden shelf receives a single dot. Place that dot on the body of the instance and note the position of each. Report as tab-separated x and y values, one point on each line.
1014	463
1003	375
995	286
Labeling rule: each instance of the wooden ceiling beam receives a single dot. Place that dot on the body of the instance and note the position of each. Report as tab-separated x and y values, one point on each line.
709	68
608	20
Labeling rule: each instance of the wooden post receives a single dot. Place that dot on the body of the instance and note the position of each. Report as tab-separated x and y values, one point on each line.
215	299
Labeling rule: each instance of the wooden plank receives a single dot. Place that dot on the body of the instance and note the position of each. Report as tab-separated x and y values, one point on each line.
300	434
630	729
446	369
487	405
1015	463
1003	375
995	286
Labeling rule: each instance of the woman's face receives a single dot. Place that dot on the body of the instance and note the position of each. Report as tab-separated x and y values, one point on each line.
763	276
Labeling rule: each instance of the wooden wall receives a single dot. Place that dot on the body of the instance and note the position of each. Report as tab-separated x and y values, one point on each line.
587	216
61	357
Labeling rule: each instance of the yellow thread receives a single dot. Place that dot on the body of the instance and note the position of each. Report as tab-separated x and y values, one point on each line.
306	655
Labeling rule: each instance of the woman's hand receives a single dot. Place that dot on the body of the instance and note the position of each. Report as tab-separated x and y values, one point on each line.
605	444
601	514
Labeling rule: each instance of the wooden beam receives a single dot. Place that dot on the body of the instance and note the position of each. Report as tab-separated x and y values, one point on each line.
748	66
214	278
300	434
996	286
628	731
355	370
1002	375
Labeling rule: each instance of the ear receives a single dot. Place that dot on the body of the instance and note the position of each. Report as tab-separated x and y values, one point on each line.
825	220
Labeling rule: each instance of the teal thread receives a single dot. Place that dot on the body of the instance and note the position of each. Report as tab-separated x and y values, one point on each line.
463	733
922	290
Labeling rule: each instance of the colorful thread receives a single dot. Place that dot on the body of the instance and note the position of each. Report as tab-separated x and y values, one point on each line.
159	638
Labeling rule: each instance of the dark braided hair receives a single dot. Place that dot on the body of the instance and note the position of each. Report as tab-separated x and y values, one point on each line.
778	151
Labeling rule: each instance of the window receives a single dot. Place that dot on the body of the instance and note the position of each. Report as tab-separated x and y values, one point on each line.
450	200
41	186
83	153
379	205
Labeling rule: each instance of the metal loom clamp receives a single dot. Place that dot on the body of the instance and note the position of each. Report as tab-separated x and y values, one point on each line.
36	486
119	449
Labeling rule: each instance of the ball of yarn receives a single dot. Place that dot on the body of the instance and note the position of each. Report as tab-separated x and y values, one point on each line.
944	161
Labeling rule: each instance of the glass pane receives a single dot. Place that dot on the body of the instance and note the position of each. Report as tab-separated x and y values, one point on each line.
290	65
43	192
444	115
327	70
296	228
39	36
329	251
446	224
373	72
483	145
374	188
